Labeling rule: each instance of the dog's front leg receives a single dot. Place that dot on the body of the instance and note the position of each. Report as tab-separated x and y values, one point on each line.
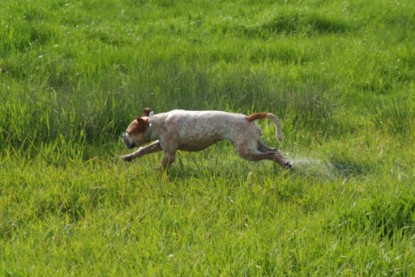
151	148
168	158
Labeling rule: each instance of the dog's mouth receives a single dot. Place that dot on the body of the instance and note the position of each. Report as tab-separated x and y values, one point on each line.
127	142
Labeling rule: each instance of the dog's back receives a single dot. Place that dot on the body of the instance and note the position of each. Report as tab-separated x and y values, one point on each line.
200	125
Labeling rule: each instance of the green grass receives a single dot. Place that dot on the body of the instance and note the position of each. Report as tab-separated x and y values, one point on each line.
340	75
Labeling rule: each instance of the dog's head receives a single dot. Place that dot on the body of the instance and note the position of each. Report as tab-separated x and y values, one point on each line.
139	131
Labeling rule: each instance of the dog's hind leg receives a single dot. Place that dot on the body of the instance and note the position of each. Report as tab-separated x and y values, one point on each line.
281	161
264	148
277	155
252	154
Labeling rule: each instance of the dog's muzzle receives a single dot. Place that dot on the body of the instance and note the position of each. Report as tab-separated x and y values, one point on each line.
127	142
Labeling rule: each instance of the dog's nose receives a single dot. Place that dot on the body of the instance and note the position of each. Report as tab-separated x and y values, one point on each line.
124	138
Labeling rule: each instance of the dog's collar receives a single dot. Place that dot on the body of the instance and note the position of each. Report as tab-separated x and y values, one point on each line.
149	131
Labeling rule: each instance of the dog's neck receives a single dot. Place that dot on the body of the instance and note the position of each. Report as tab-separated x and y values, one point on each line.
150	127
149	132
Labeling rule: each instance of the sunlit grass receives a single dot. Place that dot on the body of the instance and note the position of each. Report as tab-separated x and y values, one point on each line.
339	75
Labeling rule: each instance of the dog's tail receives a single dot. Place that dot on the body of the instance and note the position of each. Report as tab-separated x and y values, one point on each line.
274	118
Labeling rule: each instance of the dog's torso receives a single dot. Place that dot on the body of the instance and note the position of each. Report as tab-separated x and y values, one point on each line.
195	130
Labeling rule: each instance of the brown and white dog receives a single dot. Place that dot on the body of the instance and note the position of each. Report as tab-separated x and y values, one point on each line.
197	130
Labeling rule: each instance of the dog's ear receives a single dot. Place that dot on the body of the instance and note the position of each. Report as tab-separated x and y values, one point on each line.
146	111
141	122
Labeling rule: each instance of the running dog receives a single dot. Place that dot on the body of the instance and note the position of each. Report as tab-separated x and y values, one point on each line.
197	130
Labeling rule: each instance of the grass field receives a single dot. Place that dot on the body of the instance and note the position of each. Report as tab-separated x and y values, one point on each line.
339	74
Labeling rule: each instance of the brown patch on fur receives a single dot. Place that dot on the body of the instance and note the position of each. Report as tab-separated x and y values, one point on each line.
138	126
256	116
146	111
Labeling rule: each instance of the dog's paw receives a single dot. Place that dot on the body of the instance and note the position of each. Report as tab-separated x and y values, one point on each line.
288	165
127	158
